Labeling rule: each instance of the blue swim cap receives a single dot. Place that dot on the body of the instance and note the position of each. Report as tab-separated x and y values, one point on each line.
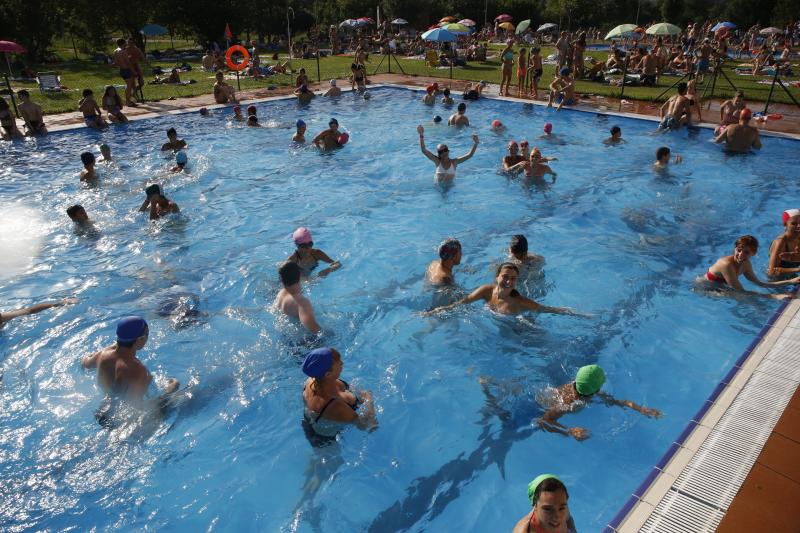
181	158
300	123
318	362
437	118
131	328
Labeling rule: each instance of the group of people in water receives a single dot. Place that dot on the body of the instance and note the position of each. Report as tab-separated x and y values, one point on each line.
330	404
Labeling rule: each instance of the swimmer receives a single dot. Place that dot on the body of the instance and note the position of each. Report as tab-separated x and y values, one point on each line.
524	149
503	297
616	136
497	126
8	315
441	272
537	167
307	257
676	111
204	112
105	153
88	173
572	397
252	121
662	158
550	512
548	131
511	162
77	214
562	89
437	119
237	113
333	90
290	300
300	134
159	205
119	372
459	118
446	99
429	98
726	270
784	252
740	137
173	142
328	402
303	95
91	113
180	162
518	252
445	166
328	139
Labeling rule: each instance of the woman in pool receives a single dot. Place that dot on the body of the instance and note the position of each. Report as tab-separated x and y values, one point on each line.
329	404
507	60
726	270
307	257
445	166
550	512
503	297
784	253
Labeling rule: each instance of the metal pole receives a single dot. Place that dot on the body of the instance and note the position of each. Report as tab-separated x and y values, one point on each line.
624	73
289	31
238	83
10	92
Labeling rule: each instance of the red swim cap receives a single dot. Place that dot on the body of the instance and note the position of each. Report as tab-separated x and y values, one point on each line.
789	213
496	124
745	114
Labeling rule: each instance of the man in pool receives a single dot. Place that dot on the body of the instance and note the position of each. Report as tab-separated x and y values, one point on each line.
518	250
300	134
8	315
676	112
88	173
616	136
459	118
574	396
662	158
173	142
77	214
119	371
740	137
441	272
158	204
328	139
223	92
290	300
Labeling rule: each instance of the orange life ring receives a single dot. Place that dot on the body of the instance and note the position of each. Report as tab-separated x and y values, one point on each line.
774	116
237	66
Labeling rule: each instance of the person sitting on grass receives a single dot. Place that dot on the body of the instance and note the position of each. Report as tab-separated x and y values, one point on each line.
159	205
91	113
173	142
5	316
574	396
88	173
112	103
223	92
32	114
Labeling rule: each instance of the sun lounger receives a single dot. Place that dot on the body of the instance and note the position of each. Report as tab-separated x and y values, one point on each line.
49	81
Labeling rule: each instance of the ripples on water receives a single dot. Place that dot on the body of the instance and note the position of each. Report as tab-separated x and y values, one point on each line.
456	394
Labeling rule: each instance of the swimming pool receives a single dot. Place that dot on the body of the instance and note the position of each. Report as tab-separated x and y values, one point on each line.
620	241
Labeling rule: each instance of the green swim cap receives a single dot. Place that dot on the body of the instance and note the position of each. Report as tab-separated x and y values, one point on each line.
589	380
533	485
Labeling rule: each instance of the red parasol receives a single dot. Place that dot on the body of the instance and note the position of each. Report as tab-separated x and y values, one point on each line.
504	18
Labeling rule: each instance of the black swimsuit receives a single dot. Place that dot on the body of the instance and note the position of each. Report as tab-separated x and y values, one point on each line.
789	264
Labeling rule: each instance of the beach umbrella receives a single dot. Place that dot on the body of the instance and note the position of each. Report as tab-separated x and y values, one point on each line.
506	26
400	22
619	30
503	18
365	20
447	19
153	30
634	35
349	23
10	47
663	28
719	25
457	29
522	26
467	22
547	27
770	31
441	35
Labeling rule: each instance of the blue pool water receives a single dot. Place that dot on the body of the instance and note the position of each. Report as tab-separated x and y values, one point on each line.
620	242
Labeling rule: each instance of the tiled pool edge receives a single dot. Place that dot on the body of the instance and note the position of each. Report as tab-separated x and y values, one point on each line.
657	484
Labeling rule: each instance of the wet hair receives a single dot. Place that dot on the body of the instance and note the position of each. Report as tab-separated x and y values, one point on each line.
549	485
662	152
87	92
150	190
682	86
446	92
615	130
289	272
172	131
120	42
23	92
747	241
519	245
72	211
87	158
504	266
449	249
462	107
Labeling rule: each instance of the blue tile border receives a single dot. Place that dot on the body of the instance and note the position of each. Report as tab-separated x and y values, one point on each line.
694	421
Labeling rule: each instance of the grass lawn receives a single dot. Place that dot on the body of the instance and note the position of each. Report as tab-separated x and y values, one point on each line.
85	73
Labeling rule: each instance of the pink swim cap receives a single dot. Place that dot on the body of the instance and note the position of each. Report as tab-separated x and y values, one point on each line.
301	236
496	124
789	213
548	127
343	138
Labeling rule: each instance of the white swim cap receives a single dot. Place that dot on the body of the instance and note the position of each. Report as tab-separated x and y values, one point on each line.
333	83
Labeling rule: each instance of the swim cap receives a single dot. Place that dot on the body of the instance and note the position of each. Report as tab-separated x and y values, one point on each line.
237	109
496	124
333	121
300	123
318	362
104	147
333	83
589	380
512	143
437	118
565	71
429	89
343	138
181	158
548	127
87	158
449	248
523	142
789	213
203	111
130	328
435	86
745	114
533	485
301	236
251	110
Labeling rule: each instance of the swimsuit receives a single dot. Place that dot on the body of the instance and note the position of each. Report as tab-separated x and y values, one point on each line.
669	123
472	94
325	430
788	264
569	101
521	72
537	73
90	119
508	56
710	276
445	173
125	73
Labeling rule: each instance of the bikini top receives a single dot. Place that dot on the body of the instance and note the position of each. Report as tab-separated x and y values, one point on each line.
449	172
